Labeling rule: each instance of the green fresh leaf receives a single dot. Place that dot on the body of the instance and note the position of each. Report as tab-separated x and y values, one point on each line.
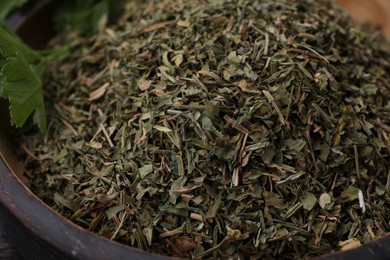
83	15
51	54
21	72
22	85
10	44
22	68
6	6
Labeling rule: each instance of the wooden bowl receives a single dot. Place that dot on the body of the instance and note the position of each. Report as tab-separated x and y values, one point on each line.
38	232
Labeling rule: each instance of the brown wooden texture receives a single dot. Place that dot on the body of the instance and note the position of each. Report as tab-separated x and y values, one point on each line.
376	12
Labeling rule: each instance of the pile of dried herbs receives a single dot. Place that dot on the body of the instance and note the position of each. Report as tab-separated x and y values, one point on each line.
217	128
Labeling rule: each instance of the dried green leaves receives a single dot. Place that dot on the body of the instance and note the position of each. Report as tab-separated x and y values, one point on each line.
242	129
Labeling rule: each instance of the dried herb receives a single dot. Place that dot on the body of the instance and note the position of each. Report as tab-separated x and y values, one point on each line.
243	129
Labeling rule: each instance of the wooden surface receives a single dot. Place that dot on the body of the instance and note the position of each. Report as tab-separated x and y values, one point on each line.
376	12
